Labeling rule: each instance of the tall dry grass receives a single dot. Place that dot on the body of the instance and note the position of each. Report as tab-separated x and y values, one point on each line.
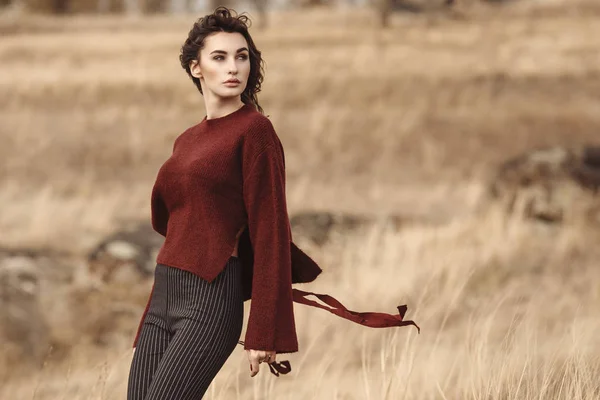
410	120
508	310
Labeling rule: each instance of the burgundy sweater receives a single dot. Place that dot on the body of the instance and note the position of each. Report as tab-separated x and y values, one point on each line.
227	174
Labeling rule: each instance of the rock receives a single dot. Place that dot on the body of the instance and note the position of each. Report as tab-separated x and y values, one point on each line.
23	327
322	226
126	255
318	227
553	184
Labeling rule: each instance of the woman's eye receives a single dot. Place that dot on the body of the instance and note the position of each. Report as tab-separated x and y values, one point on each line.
241	56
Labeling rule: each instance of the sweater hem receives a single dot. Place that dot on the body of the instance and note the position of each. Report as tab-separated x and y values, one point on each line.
194	271
285	349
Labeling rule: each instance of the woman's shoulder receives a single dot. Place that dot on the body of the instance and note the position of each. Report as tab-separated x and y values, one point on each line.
260	130
180	136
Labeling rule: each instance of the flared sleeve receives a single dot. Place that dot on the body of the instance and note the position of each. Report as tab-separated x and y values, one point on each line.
271	324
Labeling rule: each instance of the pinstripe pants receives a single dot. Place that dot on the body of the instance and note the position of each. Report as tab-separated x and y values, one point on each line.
190	330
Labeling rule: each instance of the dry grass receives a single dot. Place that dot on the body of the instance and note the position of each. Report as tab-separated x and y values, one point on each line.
508	310
409	120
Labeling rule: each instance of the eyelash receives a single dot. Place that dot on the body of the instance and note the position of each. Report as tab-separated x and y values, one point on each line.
218	58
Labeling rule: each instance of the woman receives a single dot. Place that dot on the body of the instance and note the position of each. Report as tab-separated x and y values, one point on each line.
219	200
225	177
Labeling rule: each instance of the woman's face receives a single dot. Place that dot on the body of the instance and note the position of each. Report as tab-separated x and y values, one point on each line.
225	57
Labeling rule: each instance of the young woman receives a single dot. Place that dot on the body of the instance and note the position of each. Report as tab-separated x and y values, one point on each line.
225	177
219	200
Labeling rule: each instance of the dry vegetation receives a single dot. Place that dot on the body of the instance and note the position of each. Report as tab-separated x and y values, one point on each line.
409	120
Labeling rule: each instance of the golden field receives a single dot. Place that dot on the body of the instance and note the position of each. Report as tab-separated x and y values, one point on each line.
411	121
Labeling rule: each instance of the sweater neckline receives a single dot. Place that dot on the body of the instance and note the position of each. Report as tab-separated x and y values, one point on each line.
218	120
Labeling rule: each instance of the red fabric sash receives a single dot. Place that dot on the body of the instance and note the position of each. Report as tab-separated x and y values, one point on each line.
370	319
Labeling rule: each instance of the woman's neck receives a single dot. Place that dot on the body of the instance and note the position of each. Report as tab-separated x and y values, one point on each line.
221	109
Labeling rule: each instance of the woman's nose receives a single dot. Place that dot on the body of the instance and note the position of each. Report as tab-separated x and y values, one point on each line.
233	68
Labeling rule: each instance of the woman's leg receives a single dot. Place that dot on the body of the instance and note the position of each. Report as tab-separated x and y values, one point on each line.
207	321
152	344
194	357
153	341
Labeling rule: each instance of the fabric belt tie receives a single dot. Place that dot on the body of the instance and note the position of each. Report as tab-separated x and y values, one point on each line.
370	319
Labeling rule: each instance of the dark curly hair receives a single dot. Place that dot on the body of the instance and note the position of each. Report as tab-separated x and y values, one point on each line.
224	20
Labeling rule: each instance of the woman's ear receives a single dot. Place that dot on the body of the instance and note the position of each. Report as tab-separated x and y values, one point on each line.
195	69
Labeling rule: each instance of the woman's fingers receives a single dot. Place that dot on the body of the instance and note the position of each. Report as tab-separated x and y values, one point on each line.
269	357
255	357
254	367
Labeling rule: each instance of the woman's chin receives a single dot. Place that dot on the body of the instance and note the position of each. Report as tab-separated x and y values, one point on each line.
232	92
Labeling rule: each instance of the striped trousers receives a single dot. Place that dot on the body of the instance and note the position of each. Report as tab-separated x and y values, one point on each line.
190	330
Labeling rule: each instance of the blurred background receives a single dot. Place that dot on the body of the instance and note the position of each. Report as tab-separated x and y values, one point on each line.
440	154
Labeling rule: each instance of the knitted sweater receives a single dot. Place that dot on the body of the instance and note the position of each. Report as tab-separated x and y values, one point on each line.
227	174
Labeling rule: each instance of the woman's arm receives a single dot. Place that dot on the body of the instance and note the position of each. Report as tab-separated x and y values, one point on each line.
271	325
160	213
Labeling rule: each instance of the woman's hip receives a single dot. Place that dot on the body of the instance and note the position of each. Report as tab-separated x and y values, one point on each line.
180	294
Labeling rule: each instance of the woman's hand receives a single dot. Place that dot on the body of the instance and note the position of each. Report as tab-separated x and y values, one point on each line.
255	357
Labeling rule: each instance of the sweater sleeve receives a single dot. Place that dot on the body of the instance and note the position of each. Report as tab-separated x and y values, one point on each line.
271	324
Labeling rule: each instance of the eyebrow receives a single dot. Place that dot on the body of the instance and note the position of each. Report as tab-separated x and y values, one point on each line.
224	52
